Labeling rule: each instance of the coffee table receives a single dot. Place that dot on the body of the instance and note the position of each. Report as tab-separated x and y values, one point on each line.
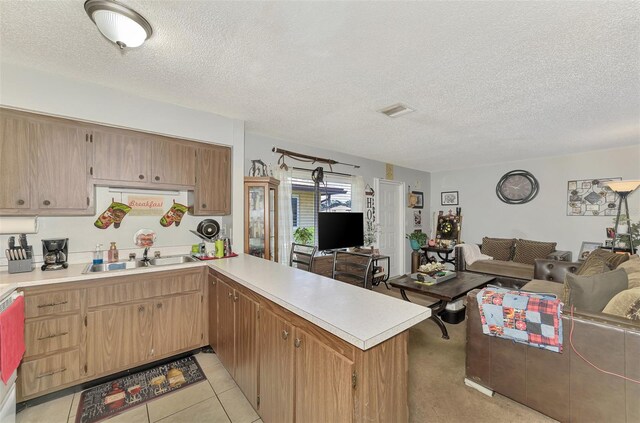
445	292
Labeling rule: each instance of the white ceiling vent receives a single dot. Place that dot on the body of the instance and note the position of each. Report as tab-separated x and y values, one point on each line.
396	110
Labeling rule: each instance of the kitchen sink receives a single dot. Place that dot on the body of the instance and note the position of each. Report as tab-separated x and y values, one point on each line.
135	264
164	261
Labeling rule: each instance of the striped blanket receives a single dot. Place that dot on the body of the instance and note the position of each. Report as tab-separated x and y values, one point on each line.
529	318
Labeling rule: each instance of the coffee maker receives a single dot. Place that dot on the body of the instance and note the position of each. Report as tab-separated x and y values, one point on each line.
54	253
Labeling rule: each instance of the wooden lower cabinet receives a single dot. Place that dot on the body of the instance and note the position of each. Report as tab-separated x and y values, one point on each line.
80	331
118	337
323	383
303	373
276	368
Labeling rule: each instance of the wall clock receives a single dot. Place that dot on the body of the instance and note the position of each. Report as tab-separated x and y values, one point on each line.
517	187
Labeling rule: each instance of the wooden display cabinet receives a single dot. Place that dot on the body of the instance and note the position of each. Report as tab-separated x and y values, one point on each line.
261	217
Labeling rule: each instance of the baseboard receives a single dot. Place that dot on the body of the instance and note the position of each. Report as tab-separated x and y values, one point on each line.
488	392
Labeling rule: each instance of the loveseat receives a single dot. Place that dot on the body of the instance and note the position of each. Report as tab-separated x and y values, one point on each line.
562	385
513	259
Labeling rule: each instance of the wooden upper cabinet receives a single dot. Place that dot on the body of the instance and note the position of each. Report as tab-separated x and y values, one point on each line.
14	162
173	162
59	162
121	156
212	195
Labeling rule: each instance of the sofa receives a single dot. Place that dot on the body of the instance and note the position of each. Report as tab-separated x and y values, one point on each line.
562	385
513	259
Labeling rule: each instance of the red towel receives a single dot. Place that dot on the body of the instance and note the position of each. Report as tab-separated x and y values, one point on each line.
11	338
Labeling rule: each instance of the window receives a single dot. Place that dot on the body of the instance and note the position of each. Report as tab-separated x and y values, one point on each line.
295	209
333	195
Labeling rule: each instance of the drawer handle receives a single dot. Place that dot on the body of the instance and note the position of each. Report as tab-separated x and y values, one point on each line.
235	298
230	294
140	309
157	178
64	369
204	206
53	335
52	304
159	305
46	202
285	334
297	342
20	202
141	176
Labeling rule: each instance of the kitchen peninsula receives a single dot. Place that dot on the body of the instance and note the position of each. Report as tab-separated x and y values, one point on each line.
300	346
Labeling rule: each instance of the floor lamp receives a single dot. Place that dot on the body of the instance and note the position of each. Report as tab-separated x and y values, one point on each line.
623	189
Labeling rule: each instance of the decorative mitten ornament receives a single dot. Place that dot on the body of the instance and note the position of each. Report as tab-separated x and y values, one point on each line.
113	214
174	214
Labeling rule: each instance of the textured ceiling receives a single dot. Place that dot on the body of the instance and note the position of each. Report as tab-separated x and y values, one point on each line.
490	81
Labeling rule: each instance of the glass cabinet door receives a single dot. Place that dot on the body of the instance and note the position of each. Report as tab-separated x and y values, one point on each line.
261	217
257	221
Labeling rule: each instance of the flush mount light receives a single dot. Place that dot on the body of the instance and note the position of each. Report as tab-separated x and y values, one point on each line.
396	110
118	23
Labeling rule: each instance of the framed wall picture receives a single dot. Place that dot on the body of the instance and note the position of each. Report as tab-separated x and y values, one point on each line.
419	204
587	248
449	198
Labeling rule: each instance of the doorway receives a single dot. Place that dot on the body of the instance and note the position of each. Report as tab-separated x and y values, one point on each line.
390	219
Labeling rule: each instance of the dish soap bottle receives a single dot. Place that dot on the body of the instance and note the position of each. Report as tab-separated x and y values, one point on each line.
113	255
98	257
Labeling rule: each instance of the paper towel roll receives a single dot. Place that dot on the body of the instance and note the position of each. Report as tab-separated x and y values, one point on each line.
19	225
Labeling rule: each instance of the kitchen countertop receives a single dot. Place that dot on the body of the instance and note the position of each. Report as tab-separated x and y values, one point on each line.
361	317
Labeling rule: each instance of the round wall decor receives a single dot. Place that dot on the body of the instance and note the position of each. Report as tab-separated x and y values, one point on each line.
517	187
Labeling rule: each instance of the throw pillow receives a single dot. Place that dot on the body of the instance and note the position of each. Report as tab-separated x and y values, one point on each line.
498	248
625	304
593	293
528	251
613	260
595	266
632	267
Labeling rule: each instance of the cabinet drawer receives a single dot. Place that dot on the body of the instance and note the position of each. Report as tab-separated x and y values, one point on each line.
51	303
49	372
46	336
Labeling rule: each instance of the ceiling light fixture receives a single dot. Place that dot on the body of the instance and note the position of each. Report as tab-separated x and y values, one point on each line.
118	23
396	110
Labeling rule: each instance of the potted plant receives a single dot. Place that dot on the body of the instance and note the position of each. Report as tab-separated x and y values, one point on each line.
417	240
303	235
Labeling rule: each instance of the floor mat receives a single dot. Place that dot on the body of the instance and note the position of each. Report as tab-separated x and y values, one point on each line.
115	397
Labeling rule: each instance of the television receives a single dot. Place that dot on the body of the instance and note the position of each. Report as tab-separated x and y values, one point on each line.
340	230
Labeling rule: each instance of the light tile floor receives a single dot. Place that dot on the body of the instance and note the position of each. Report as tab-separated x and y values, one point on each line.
218	400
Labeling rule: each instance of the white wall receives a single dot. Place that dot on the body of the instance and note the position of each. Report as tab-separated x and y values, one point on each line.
33	90
259	147
545	217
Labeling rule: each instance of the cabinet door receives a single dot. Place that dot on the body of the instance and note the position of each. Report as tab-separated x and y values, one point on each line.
118	337
177	324
120	156
213	181
14	162
246	366
173	163
226	324
59	163
323	384
276	368
213	312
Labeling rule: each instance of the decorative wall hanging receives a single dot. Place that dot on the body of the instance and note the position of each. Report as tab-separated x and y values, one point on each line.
448	229
174	215
419	199
371	229
389	171
517	187
449	198
112	215
146	205
417	218
258	168
590	197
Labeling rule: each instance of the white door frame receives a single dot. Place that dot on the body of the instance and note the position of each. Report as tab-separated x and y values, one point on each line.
401	218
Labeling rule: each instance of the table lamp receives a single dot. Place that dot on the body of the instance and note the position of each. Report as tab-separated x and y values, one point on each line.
623	189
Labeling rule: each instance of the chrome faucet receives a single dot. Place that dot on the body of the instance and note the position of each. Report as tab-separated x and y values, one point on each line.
145	259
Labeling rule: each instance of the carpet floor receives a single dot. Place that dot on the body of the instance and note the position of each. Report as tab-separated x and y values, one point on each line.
436	379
